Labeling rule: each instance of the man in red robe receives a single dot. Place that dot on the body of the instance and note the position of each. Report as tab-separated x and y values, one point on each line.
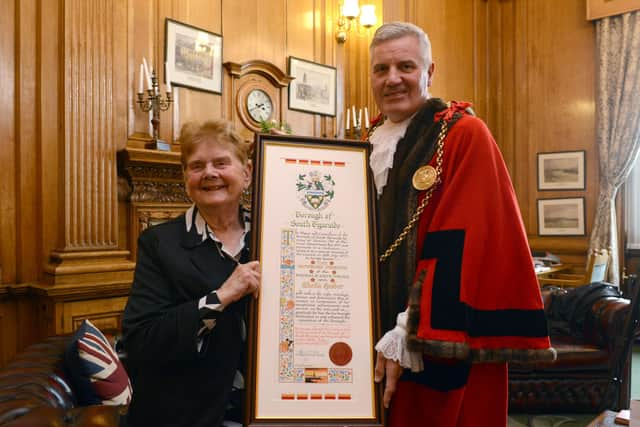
458	289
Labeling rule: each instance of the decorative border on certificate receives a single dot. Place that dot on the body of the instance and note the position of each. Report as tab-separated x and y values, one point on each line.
313	326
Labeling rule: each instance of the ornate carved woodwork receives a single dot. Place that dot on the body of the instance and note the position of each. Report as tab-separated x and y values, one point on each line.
153	176
156	188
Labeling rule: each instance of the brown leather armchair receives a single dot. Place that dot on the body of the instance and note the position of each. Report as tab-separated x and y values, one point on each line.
592	371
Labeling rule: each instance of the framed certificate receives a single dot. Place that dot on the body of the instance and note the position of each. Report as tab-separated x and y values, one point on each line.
314	324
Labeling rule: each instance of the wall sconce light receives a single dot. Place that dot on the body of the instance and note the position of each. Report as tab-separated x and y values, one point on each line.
347	23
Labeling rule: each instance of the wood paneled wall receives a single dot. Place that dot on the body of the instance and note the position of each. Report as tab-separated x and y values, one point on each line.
68	74
68	79
528	66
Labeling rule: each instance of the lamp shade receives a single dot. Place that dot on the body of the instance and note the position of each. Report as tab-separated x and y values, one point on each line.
368	15
350	8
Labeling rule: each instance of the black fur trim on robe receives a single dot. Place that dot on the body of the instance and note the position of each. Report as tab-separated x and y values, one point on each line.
397	204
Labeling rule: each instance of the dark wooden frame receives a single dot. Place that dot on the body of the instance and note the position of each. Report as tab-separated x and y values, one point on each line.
577	153
294	85
581	200
217	60
258	194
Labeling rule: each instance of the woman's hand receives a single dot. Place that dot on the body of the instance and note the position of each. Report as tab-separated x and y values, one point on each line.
244	280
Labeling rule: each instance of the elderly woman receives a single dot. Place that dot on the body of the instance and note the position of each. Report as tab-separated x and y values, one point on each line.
183	326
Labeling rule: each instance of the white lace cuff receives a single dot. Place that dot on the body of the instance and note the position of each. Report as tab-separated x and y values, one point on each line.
393	346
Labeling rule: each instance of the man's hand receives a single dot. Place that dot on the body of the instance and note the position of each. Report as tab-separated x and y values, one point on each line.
244	280
392	370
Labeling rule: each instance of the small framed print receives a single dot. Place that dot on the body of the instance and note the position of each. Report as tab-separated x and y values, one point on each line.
563	170
561	217
193	57
313	89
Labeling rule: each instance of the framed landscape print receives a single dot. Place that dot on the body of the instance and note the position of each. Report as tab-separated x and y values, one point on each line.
313	89
561	217
314	324
563	170
193	57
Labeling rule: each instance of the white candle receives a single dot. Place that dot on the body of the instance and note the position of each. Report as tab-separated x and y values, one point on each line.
360	117
348	119
355	118
167	77
146	72
140	77
366	117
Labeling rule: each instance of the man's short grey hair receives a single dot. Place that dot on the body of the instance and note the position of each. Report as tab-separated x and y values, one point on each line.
396	30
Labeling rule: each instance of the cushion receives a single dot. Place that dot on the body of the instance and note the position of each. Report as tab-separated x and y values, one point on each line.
95	372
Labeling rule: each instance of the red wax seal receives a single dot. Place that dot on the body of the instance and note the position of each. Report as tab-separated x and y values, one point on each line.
340	353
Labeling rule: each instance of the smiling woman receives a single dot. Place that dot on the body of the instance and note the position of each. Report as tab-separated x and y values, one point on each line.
183	324
217	171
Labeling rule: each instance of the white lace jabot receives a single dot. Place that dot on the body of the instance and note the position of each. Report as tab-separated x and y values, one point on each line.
384	141
393	346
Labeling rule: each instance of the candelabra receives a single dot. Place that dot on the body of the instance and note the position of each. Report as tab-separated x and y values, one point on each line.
353	133
155	103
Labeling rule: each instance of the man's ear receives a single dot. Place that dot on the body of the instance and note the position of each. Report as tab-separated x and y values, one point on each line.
432	68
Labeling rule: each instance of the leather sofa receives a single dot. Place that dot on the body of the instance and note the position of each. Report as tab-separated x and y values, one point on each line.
592	370
35	392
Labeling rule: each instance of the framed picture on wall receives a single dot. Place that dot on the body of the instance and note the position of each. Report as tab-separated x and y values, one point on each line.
313	89
193	57
561	217
563	170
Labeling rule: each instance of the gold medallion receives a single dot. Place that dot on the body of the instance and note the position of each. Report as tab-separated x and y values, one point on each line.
424	178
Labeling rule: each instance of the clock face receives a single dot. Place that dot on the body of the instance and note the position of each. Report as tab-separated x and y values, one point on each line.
259	105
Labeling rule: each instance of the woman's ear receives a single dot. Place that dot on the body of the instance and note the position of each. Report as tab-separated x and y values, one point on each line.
248	170
186	187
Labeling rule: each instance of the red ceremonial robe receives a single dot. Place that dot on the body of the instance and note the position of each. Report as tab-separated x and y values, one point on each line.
480	298
475	297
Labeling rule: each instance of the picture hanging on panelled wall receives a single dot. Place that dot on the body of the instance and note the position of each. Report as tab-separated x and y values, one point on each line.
313	89
193	57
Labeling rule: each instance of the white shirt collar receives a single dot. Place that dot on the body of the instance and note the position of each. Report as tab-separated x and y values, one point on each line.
384	141
193	218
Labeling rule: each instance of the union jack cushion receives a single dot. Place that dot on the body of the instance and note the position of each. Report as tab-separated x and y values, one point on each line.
96	373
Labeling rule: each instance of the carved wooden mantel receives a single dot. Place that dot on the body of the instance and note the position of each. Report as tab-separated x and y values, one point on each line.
154	188
153	176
